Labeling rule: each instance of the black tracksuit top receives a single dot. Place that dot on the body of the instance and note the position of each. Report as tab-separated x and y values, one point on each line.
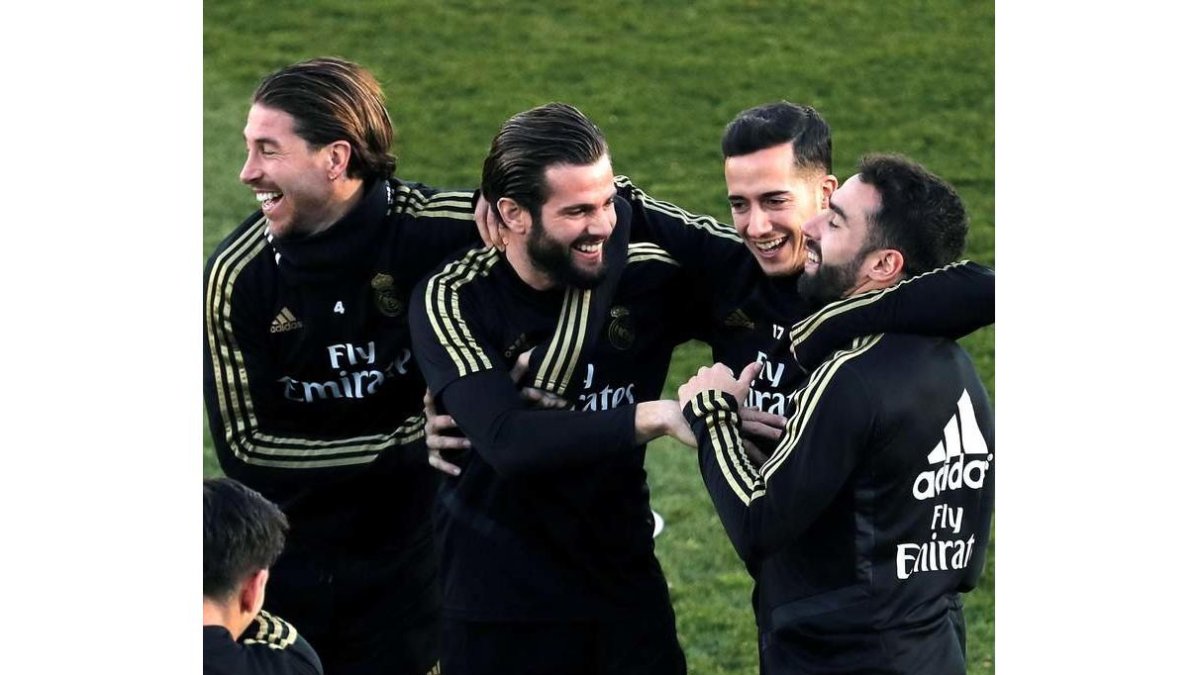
312	393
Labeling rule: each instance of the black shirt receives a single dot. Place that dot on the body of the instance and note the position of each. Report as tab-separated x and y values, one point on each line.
269	646
312	394
550	518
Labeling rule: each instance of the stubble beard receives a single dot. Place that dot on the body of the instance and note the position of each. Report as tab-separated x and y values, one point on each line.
831	282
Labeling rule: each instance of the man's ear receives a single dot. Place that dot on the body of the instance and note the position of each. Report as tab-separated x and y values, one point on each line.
829	185
885	266
514	216
253	592
339	158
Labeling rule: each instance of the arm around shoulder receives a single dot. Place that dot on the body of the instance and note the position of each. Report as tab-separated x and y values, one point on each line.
951	302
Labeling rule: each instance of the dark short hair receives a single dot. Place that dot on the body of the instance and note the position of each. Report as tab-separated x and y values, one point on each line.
919	215
533	141
771	124
332	99
243	533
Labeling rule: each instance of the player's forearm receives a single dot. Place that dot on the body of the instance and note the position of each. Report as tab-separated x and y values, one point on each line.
756	524
661	418
952	301
730	478
515	440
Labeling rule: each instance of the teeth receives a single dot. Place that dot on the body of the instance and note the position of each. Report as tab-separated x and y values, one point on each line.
264	196
770	245
590	248
812	257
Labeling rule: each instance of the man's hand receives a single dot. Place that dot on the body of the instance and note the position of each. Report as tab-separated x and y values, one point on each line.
488	224
539	397
435	424
661	418
677	426
757	457
760	430
719	376
762	426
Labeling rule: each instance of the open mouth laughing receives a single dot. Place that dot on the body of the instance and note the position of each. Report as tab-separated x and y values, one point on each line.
268	200
768	246
590	250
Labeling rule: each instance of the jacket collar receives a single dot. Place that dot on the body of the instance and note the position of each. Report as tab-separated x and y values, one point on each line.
341	247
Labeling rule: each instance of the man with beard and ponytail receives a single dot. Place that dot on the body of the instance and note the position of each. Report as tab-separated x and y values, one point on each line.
873	512
312	395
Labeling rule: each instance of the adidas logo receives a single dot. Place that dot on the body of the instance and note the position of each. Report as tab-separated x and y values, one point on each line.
961	440
285	321
738	319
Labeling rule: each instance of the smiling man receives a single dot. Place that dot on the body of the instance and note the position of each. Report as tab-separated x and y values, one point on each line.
580	209
548	559
302	189
872	514
312	394
778	159
778	174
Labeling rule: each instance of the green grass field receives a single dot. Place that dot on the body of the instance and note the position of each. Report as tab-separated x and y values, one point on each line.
661	80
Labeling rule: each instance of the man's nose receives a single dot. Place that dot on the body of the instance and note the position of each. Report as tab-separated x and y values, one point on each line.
757	223
602	225
250	170
811	228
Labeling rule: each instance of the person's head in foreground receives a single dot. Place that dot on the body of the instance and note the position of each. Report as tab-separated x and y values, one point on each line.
243	536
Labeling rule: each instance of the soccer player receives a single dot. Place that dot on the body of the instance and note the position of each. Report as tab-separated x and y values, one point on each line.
312	394
243	536
547	557
873	513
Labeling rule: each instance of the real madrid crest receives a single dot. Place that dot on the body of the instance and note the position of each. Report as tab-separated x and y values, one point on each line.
620	329
385	295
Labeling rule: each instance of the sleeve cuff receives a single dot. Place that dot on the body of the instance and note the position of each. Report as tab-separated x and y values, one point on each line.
709	403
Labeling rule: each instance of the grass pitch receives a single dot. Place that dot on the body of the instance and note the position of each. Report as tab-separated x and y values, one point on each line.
661	80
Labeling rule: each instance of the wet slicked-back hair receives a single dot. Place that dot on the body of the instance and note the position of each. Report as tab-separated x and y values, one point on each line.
771	124
532	141
332	99
919	215
243	533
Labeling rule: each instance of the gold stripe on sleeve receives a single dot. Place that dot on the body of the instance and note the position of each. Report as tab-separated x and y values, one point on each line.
443	305
808	398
